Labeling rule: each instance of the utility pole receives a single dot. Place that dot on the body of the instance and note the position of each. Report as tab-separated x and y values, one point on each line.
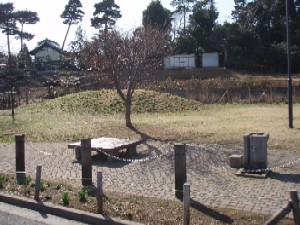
290	84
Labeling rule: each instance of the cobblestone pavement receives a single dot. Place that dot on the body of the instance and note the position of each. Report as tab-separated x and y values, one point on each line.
213	183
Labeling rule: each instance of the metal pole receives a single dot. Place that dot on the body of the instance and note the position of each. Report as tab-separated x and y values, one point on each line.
290	85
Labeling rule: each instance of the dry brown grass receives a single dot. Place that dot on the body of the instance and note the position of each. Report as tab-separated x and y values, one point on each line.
219	124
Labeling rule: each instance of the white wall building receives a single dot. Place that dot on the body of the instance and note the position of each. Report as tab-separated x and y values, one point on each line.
183	61
46	51
210	60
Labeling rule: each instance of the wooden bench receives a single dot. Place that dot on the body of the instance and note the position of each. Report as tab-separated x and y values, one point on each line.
111	146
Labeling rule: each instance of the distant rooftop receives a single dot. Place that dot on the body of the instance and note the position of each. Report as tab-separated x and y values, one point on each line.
46	43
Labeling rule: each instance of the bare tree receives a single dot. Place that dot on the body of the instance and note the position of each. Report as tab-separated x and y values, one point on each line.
128	59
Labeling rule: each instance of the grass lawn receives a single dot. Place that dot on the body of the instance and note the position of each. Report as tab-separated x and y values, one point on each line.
161	116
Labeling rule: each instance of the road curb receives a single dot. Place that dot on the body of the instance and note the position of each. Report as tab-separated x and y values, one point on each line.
67	213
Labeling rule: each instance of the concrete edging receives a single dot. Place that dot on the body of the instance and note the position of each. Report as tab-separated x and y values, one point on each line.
67	213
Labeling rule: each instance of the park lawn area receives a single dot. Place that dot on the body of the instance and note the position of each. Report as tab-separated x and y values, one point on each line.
74	117
91	115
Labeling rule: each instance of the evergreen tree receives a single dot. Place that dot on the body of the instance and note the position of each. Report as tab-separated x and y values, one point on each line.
202	22
25	17
157	16
24	59
71	15
106	13
8	24
182	8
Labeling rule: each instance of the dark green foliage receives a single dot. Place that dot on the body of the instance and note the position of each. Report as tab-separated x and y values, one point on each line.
25	17
106	13
255	40
3	180
157	16
27	181
84	193
24	59
65	199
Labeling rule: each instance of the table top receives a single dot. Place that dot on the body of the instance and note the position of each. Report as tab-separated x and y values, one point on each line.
105	143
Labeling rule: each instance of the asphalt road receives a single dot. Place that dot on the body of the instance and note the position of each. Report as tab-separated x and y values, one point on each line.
12	215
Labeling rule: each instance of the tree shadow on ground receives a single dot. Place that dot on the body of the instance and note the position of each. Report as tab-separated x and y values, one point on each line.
145	137
211	212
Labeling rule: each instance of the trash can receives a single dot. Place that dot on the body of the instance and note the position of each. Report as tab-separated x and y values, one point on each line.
256	151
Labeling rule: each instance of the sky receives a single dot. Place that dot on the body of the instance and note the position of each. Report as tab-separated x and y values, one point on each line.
51	25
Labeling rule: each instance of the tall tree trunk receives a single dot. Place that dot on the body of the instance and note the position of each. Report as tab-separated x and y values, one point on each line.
128	113
63	45
21	37
8	52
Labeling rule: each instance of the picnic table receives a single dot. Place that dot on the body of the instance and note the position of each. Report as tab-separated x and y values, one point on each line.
111	146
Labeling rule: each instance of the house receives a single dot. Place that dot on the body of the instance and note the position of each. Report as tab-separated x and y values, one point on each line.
183	61
190	61
46	54
210	60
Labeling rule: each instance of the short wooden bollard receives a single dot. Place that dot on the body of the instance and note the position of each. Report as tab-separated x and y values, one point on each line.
20	158
99	193
186	204
38	183
86	161
180	170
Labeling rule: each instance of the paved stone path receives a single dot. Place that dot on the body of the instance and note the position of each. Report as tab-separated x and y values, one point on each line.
213	183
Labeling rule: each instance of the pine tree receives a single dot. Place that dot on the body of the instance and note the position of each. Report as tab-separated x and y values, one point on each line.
71	15
106	13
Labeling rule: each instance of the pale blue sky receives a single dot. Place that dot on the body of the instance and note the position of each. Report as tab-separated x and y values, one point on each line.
51	26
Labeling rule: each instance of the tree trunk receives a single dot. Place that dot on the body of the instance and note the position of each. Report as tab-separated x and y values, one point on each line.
9	54
21	38
128	113
63	45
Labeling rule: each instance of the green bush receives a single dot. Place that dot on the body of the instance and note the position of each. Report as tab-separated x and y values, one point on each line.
65	199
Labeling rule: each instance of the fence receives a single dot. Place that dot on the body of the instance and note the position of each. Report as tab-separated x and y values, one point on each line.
206	95
190	157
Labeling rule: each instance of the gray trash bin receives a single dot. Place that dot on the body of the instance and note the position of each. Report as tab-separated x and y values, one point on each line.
256	151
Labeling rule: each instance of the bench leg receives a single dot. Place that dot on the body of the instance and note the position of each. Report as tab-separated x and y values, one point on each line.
131	151
77	153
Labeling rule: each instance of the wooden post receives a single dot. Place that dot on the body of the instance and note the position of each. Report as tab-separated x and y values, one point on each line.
86	161
180	170
38	182
295	206
20	158
99	193
186	204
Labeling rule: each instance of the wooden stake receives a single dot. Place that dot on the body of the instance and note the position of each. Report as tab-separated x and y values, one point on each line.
186	204
99	193
38	183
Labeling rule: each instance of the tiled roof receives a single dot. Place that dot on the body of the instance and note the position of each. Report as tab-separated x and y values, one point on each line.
46	43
